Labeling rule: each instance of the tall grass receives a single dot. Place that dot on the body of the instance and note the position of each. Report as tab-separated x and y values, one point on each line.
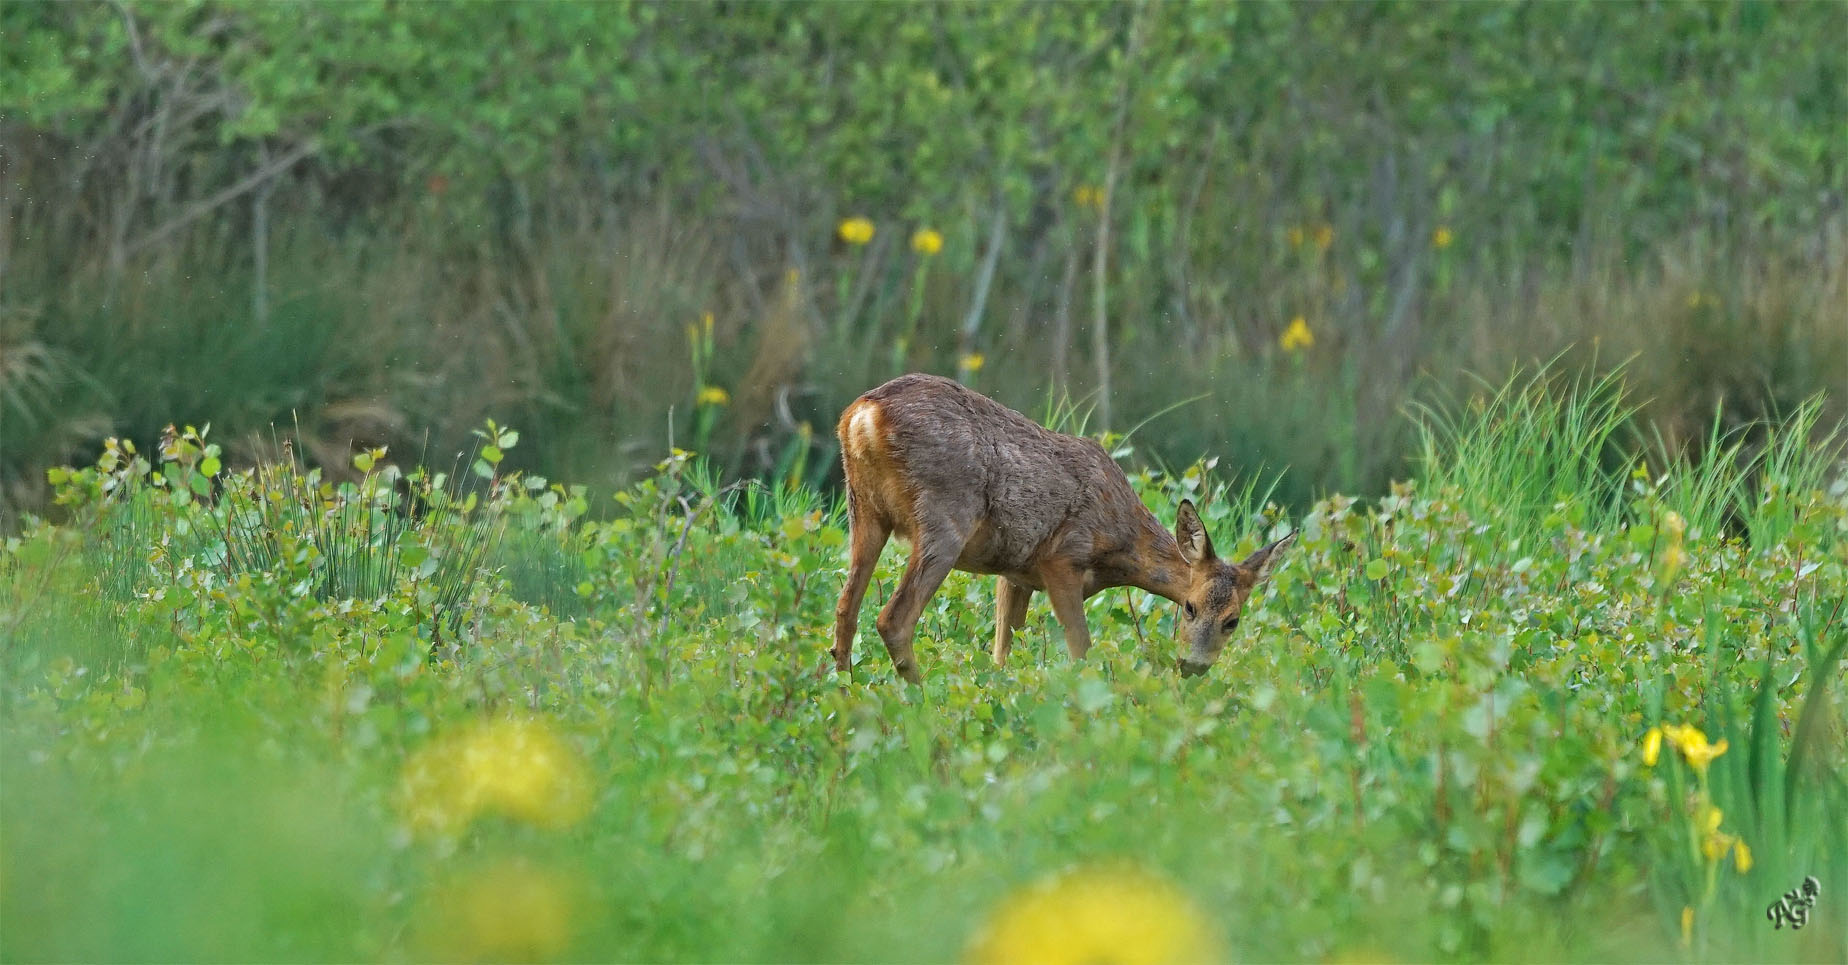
403	341
1534	442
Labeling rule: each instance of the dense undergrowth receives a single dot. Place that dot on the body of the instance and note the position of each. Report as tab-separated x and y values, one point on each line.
366	223
260	716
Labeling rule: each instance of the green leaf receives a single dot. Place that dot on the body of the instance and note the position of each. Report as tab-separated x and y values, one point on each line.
1377	569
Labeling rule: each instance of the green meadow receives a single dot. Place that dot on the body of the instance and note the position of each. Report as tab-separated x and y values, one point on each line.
420	519
1552	698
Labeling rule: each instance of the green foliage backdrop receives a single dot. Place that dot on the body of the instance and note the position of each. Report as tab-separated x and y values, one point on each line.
390	220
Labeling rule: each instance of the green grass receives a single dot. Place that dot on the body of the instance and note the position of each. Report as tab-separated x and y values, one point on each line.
1425	743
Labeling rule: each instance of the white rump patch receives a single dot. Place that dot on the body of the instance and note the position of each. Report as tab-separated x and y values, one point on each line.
863	429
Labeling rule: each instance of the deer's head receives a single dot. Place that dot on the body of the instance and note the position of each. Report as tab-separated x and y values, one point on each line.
1216	590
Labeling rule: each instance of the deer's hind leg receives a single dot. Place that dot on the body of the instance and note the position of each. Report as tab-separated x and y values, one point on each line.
1010	613
867	535
933	555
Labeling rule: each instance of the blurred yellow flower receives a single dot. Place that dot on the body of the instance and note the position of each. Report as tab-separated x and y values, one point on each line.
926	241
1297	336
1441	238
1324	236
857	230
713	395
514	768
507	911
1674	524
1698	752
1086	196
1652	746
1693	745
972	362
1687	925
1742	857
1111	914
1295	236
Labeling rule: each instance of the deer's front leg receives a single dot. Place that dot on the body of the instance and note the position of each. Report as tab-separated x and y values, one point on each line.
1065	589
1010	612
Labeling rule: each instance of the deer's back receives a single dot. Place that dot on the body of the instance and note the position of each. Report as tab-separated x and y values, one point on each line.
926	452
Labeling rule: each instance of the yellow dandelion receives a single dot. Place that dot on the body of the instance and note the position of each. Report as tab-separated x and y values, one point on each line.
1101	914
506	911
1297	335
857	230
926	241
1652	746
713	395
1742	857
1324	236
513	768
1441	238
972	362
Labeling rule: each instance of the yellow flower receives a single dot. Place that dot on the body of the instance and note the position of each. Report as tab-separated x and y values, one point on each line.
1687	925
1295	236
1714	846
1297	336
504	911
857	230
1441	238
1101	914
971	362
1698	752
1674	524
713	395
1086	196
1652	746
517	769
1324	236
926	241
1742	857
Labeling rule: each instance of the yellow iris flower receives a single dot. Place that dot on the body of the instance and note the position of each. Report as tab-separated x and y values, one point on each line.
857	230
1297	336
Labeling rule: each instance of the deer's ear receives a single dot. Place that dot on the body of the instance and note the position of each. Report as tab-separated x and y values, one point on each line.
1260	563
1196	546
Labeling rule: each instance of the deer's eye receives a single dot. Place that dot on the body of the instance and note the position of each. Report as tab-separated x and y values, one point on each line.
1232	624
1188	608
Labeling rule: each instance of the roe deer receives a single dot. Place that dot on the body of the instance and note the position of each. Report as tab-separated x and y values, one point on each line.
975	486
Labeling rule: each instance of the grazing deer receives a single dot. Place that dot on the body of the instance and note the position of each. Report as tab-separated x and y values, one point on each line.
975	486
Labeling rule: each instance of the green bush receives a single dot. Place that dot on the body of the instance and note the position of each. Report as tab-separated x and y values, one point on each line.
389	222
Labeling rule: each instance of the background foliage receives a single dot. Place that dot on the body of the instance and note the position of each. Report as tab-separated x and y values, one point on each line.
386	221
